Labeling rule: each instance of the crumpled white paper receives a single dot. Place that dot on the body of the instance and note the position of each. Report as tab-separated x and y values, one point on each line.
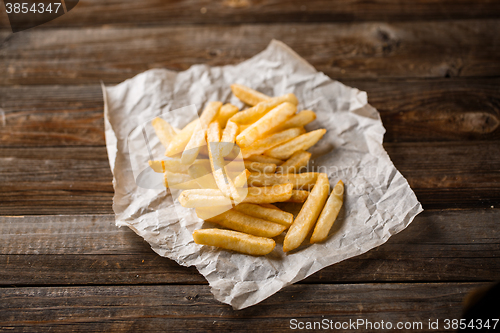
378	201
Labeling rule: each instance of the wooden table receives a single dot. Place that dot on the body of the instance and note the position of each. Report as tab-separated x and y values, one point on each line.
431	68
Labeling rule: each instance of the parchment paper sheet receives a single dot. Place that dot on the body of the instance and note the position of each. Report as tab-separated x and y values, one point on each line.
378	201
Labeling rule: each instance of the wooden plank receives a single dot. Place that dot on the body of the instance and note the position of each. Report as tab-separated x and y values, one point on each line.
148	12
352	50
453	245
411	110
184	308
77	180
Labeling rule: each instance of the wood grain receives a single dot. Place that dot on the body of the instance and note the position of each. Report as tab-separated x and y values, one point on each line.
148	12
77	180
343	50
453	245
411	110
184	308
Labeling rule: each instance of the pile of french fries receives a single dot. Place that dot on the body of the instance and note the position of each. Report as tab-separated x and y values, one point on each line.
234	165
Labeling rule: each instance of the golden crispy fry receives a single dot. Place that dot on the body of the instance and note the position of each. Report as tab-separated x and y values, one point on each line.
293	165
203	198
233	240
179	181
268	205
226	111
175	165
202	175
268	123
217	162
260	167
165	132
241	179
264	159
308	214
198	138
157	166
253	114
298	196
329	213
248	95
182	138
238	221
269	194
301	119
301	181
303	142
268	214
229	135
260	146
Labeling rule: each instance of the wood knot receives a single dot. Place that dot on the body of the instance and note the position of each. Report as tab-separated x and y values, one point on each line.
477	122
192	298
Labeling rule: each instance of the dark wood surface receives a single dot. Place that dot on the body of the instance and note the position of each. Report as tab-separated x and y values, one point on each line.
431	68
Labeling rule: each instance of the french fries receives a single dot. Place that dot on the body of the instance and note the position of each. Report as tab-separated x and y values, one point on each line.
270	194
298	196
302	142
235	241
266	124
182	138
226	111
329	214
235	220
264	159
298	160
301	119
253	114
197	139
248	95
255	157
164	131
271	141
308	214
217	162
265	213
260	167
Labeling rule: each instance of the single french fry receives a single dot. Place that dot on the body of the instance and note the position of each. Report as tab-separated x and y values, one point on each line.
248	95
203	176
233	219
329	214
198	138
165	132
269	194
217	162
260	146
157	166
241	179
182	138
235	241
269	122
298	196
302	142
229	135
264	159
202	198
308	214
254	113
301	119
301	181
268	214
226	111
179	181
298	160
175	165
260	167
